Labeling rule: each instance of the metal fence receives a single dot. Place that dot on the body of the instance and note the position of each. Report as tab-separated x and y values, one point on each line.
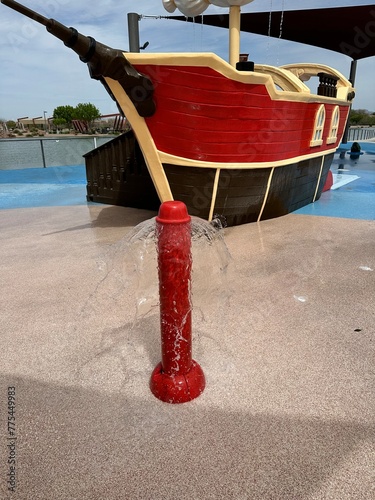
64	151
56	151
361	133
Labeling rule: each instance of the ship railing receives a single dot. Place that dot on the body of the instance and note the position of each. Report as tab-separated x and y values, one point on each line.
283	79
332	83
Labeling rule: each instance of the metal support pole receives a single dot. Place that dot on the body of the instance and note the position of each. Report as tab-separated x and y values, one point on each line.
178	378
234	34
353	70
43	155
133	29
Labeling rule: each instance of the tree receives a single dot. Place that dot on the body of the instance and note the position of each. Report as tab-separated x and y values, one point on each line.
361	117
59	122
86	112
65	114
11	124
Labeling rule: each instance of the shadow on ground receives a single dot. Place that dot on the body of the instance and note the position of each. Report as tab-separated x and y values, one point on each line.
80	444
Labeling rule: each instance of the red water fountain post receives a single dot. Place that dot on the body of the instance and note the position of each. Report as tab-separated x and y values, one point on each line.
178	378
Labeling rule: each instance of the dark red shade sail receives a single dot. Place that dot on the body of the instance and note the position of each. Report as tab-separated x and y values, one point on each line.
348	30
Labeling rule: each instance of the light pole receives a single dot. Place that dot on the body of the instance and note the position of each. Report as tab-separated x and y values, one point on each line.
45	120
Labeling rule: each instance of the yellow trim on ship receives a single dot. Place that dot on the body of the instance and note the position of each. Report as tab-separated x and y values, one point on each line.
282	83
187	162
146	142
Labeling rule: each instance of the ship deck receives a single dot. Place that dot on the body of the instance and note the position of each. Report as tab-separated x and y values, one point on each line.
288	410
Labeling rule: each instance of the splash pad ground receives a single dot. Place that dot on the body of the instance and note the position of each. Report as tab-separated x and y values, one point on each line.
288	355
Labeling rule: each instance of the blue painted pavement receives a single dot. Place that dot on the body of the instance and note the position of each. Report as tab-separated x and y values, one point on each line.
352	195
43	187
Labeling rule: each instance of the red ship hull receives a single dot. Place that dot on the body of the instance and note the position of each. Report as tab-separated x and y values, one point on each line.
229	121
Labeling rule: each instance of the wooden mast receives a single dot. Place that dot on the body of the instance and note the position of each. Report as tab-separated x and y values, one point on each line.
234	34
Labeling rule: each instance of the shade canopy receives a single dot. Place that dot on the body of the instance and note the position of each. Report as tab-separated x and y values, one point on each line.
348	30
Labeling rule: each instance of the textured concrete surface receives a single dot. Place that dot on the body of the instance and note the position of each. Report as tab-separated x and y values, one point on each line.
285	338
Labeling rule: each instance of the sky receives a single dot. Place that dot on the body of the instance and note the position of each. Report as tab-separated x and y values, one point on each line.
38	73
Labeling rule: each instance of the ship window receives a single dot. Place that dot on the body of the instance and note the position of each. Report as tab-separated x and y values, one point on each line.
332	136
320	118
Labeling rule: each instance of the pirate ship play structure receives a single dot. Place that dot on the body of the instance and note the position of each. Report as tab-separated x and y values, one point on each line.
241	141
